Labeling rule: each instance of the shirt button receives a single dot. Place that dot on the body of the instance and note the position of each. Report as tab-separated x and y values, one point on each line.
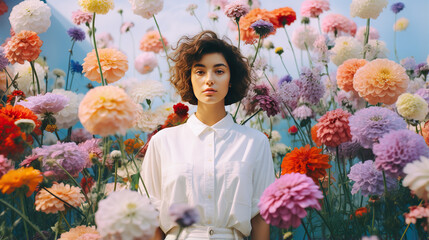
209	196
211	232
210	160
209	222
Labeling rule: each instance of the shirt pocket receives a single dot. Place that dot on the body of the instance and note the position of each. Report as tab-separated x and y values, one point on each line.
176	178
238	182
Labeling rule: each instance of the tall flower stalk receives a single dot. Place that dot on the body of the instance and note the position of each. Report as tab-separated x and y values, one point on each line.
162	41
293	51
69	63
103	81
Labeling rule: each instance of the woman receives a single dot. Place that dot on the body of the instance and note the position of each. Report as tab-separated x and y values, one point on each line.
219	167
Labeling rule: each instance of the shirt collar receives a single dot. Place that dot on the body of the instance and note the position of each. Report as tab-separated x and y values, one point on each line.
220	128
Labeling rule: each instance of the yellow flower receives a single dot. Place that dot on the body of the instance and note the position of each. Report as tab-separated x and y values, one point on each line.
279	50
96	6
412	106
401	24
15	179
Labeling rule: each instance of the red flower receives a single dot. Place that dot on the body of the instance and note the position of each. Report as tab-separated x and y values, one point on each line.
86	184
181	109
10	136
293	130
15	93
18	112
360	212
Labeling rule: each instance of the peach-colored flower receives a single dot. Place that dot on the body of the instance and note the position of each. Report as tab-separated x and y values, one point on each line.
3	7
81	233
248	35
24	46
113	62
151	42
346	72
107	110
425	132
47	203
333	128
381	81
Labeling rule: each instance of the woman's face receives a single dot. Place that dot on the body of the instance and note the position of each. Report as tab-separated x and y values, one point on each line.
210	79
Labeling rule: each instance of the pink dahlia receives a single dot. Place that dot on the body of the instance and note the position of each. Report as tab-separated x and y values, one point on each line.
333	128
313	8
47	103
93	150
237	9
5	165
283	204
79	17
338	25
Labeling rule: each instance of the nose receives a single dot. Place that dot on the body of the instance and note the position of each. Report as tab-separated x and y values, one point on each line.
210	79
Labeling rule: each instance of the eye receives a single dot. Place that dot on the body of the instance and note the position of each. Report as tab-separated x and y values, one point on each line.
199	72
220	71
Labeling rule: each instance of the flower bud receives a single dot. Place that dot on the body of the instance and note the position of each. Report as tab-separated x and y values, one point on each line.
26	125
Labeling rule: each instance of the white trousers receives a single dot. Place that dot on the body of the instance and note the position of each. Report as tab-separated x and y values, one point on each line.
205	232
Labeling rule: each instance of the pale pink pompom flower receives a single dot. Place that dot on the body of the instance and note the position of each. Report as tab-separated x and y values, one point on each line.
145	62
79	17
337	24
5	165
126	26
237	9
313	8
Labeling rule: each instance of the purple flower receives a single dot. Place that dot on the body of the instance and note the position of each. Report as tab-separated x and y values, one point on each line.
184	215
424	93
285	79
283	204
368	125
421	69
92	148
347	150
76	34
409	63
80	135
76	67
3	60
396	149
68	155
48	103
368	179
288	93
261	89
262	28
302	112
311	88
268	104
237	9
397	7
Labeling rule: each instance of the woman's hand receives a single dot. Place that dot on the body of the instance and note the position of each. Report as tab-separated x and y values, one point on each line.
159	234
260	229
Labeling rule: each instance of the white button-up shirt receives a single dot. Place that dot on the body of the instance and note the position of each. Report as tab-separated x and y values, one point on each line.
222	170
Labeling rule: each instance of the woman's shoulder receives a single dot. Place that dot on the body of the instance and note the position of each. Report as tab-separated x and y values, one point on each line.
170	132
250	133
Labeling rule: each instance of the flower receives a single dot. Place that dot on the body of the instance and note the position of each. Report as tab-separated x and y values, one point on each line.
373	34
293	130
314	137
401	24
307	161
412	106
113	63
219	4
213	16
313	8
98	6
183	214
237	9
268	104
150	120
416	212
191	8
415	85
310	87
46	103
92	148
421	69
333	128
146	8
15	179
303	37
284	15
19	112
279	50
368	125
104	40
302	112
337	24
5	165
248	35
24	46
262	28
132	145
147	90
67	155
126	215
10	136
397	7
80	135
30	15
396	149
346	72
347	150
367	8
345	48
417	177
380	80
25	77
151	42
409	63
3	7
81	233
376	49
47	203
76	67
107	110
67	117
368	179
76	34
424	93
283	204
3	60
145	62
79	17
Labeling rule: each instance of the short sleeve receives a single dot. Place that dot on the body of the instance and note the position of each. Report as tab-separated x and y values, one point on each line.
263	174
151	173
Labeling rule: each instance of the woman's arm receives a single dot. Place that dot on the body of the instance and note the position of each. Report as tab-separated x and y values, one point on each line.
260	229
159	234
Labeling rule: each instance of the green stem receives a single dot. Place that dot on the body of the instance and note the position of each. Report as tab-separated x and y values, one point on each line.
245	121
308	54
281	59
66	203
35	74
237	20
373	219
103	81
141	179
162	41
21	196
326	223
326	199
293	51
257	50
65	220
236	111
178	234
394	43
366	37
68	68
306	230
58	228
318	23
384	183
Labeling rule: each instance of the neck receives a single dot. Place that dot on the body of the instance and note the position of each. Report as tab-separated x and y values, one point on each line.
210	114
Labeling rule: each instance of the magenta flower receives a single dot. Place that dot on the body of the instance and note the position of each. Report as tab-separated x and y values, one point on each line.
283	204
47	103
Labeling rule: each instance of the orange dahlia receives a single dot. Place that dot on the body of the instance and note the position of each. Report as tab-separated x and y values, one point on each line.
248	35
133	144
81	233
151	42
10	136
285	16
314	137
333	128
47	203
346	72
306	160
425	132
15	179
24	46
18	112
381	81
113	63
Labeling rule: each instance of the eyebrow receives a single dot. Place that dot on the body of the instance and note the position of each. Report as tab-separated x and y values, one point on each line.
216	65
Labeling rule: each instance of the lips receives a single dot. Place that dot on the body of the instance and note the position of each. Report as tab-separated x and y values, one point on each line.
209	90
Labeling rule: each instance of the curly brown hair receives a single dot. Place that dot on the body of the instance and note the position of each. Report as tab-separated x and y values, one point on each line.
191	49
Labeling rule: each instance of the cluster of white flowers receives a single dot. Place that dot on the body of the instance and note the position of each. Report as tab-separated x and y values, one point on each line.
345	48
68	116
147	89
149	120
367	8
146	8
25	79
376	49
417	178
31	15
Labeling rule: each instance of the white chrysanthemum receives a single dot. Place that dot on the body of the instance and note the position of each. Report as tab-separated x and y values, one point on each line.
148	120
415	84
68	117
417	177
126	215
166	109
147	89
146	8
304	35
376	49
31	15
345	48
367	8
279	150
275	136
25	79
129	169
